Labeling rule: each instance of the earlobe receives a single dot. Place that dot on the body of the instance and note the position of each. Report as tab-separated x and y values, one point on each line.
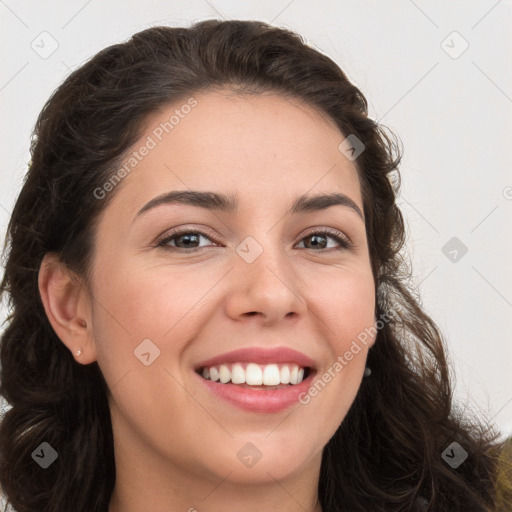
67	307
375	331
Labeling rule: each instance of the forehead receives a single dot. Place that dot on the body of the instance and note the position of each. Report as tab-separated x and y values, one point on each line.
270	146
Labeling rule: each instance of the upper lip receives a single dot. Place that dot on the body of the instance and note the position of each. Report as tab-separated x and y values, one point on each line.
260	355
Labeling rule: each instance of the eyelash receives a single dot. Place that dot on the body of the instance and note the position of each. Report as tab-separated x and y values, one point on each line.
344	242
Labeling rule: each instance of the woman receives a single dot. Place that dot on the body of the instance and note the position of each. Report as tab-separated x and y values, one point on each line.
281	363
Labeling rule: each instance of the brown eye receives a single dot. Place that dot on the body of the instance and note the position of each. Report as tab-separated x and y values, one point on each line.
183	240
318	240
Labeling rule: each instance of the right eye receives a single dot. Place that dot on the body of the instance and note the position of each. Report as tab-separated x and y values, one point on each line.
186	238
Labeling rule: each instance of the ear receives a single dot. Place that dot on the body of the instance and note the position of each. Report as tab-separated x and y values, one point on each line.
68	307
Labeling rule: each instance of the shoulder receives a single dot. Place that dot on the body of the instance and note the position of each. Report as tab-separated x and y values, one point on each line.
504	478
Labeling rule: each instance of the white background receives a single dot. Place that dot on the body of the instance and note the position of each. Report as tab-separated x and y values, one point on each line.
453	113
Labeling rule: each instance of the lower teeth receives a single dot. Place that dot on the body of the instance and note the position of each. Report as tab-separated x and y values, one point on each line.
277	386
254	386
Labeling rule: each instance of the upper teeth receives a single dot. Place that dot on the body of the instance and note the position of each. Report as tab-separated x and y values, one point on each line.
255	374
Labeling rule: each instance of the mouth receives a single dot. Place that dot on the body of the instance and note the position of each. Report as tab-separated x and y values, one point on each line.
257	379
252	375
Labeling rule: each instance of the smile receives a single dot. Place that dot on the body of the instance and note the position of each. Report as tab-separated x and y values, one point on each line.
253	374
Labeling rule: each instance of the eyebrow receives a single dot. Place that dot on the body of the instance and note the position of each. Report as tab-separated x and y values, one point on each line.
229	204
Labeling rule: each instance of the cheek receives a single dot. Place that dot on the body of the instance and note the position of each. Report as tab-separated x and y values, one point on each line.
348	306
348	319
141	301
146	315
132	304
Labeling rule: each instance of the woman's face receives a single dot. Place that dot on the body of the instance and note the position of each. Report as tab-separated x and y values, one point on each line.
259	277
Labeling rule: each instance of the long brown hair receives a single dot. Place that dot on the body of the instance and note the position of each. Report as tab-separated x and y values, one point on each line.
387	453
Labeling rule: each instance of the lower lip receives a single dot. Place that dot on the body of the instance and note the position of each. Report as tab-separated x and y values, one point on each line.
258	399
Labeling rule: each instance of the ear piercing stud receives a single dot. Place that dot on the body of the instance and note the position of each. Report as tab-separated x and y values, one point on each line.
83	323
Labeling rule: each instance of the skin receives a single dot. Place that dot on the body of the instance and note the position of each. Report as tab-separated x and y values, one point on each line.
176	444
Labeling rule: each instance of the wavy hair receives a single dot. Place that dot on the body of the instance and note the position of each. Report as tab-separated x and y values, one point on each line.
386	454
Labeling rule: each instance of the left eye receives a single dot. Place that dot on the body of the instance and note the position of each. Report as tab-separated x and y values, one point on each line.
187	239
343	242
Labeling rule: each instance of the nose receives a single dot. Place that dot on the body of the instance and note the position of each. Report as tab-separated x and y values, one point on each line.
267	287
